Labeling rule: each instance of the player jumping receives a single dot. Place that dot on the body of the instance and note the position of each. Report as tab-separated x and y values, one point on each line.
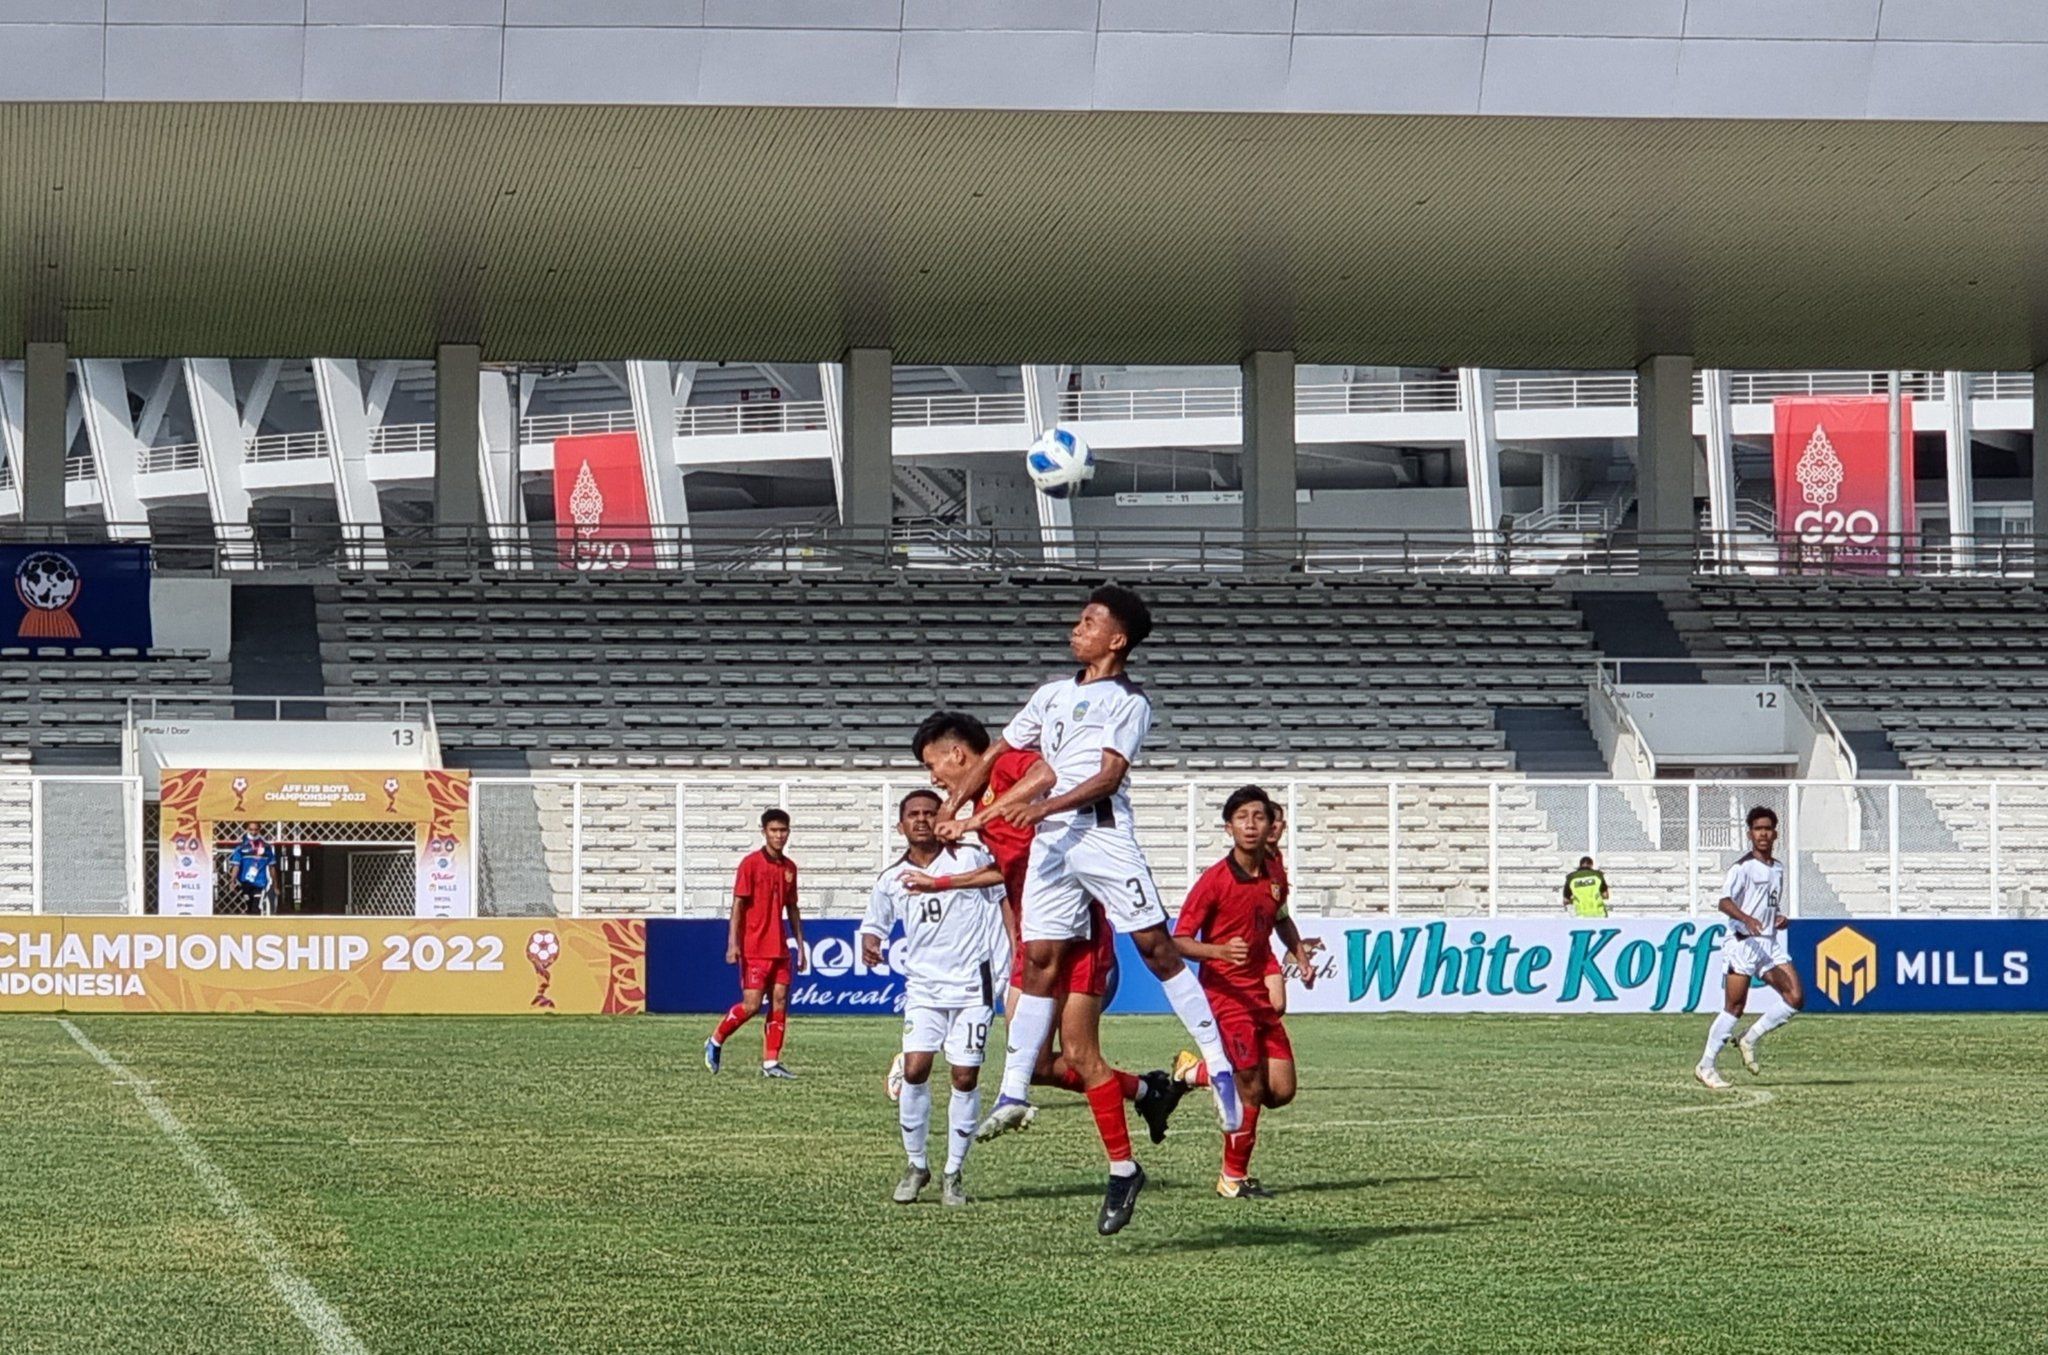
1227	926
1756	949
951	745
762	894
1090	728
950	941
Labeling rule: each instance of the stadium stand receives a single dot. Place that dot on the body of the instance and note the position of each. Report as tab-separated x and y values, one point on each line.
71	706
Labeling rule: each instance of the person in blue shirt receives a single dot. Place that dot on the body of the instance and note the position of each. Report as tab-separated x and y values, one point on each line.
253	862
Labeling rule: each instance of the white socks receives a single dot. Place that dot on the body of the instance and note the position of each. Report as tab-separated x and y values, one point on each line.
1767	1023
1030	1027
1191	1005
914	1110
966	1113
1717	1036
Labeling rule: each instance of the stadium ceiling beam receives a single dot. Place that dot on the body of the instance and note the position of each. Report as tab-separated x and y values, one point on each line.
1720	412
686	382
344	414
116	450
1962	489
1482	448
383	380
260	391
151	421
223	444
651	385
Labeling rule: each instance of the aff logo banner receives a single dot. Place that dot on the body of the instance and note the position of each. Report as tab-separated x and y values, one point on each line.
1887	965
75	595
1833	476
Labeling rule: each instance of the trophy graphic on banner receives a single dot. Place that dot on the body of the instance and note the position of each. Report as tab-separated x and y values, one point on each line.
542	949
390	795
240	786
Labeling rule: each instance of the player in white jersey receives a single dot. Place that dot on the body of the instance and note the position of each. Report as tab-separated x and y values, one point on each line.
952	942
1090	728
1751	899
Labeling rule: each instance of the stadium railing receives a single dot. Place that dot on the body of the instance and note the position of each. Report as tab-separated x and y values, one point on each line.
807	548
645	843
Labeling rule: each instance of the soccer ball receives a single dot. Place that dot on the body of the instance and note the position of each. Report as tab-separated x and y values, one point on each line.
542	948
1059	462
47	581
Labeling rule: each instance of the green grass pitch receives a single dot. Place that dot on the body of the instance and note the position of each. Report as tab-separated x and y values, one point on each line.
1447	1184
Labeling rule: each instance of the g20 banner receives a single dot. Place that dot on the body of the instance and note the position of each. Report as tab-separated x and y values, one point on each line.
1897	965
1834	479
601	502
322	965
687	972
71	596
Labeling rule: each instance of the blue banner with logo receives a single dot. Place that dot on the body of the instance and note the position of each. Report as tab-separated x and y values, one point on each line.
1900	965
687	972
68	597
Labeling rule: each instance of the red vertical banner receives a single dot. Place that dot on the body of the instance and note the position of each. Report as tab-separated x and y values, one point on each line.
601	502
1832	458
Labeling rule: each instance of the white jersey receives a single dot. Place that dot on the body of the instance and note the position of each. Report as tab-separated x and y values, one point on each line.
950	939
1756	888
1070	722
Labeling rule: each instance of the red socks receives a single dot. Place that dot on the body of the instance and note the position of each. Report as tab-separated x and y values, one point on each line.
1106	1099
734	1019
1237	1148
771	1051
1201	1075
1126	1083
1066	1079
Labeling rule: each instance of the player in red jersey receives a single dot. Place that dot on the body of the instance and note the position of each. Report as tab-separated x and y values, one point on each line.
1227	926
951	745
763	893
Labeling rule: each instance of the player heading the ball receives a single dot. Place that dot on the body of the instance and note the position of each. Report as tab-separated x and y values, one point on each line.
1090	727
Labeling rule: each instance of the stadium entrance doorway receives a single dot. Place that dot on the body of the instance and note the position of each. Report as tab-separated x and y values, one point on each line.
362	869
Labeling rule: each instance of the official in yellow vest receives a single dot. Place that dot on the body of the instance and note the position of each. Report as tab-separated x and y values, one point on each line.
1585	890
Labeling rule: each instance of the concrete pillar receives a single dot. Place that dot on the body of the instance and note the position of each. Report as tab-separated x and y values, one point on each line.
458	460
1266	462
867	434
2040	529
1664	462
45	398
1962	490
1720	452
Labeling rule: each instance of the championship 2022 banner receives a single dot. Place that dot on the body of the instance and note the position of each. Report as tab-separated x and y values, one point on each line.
601	502
336	966
434	801
66	597
1833	463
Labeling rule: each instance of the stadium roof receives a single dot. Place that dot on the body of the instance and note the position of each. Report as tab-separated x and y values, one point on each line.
137	230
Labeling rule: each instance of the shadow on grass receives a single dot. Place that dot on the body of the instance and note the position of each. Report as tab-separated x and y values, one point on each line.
1312	1239
1369	1183
1075	1190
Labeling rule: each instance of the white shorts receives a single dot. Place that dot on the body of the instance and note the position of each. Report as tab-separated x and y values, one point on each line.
1069	868
961	1031
1754	956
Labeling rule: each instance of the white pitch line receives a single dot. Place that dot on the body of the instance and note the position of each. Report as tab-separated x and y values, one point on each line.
1752	1099
330	1333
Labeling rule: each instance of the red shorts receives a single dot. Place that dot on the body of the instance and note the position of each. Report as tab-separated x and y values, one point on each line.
1252	1032
1088	963
763	971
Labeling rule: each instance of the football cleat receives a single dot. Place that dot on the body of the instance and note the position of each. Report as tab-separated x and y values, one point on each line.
1118	1201
1162	1095
776	1070
711	1052
893	1084
955	1189
1241	1188
1009	1114
915	1179
1186	1065
1747	1048
1710	1077
1229	1109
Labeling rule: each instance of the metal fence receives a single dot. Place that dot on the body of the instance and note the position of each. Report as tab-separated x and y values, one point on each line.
567	845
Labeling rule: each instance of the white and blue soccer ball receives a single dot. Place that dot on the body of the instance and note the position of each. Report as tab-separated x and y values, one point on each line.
1060	462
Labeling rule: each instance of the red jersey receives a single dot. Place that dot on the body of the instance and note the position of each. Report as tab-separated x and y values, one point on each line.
1006	842
1226	904
764	888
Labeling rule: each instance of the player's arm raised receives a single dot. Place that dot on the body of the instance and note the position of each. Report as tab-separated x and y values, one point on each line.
1030	786
1104	783
919	882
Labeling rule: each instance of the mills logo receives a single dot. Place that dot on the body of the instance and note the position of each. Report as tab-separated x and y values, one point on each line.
1847	961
